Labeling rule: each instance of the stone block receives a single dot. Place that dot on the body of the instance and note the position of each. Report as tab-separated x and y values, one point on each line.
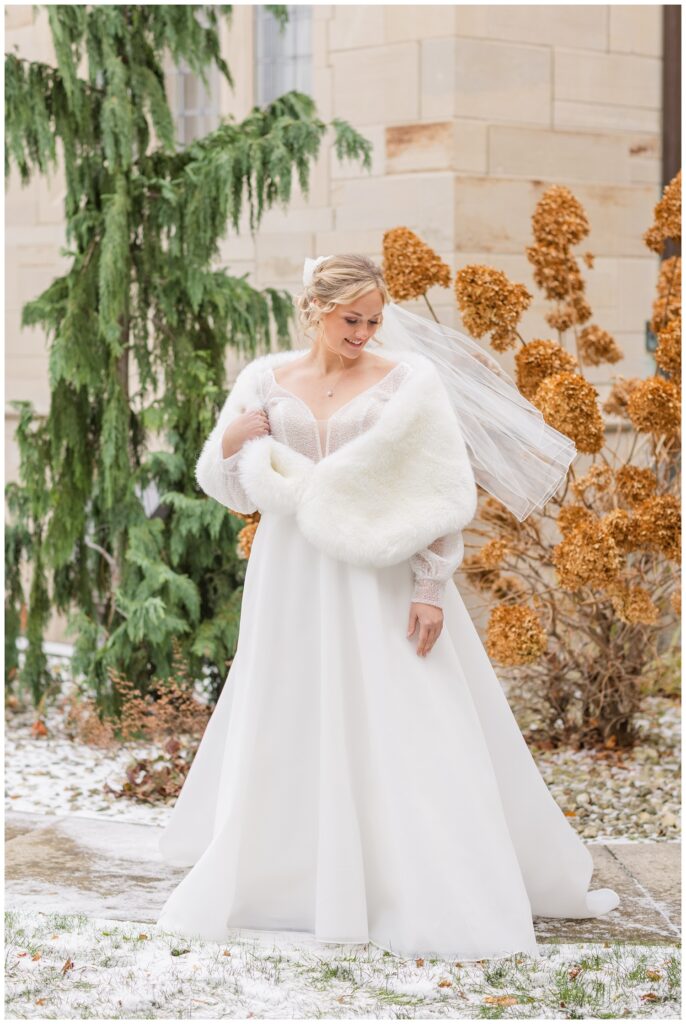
636	28
503	81
280	257
418	21
422	202
354	26
623	79
322	91
17	16
437	78
381	86
365	241
424	146
581	25
558	155
606	117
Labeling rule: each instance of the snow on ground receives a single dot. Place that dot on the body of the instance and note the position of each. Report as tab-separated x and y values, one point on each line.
633	800
70	967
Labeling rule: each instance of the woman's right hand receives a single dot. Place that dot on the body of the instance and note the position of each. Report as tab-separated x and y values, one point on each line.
254	423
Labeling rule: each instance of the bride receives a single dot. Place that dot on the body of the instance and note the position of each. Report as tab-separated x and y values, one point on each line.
362	778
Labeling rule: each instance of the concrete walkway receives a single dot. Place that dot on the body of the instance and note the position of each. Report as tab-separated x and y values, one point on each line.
103	867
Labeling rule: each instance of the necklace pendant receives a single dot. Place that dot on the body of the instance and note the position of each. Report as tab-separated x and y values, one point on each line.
329	392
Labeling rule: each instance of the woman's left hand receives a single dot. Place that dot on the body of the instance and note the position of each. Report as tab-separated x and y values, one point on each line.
430	619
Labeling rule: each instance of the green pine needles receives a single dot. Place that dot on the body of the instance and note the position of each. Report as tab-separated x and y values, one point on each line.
106	515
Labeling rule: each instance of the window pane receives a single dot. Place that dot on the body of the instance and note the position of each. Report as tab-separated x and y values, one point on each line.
289	55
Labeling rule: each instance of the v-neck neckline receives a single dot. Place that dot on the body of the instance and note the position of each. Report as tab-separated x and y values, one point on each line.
345	404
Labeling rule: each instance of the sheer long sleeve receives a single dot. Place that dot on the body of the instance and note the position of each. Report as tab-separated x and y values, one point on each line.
217	476
434	565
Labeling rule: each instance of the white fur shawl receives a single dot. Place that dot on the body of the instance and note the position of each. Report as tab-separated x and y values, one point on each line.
377	499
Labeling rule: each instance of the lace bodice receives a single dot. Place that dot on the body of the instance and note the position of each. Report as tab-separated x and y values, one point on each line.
293	423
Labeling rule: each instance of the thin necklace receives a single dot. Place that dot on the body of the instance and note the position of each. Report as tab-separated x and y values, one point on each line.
329	392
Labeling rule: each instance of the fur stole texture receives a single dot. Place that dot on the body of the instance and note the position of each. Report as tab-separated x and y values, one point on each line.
376	500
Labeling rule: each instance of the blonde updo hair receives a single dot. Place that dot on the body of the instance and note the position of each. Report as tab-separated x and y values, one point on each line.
337	281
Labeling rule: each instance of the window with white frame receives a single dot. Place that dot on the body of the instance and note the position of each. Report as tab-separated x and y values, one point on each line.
197	107
196	104
283	57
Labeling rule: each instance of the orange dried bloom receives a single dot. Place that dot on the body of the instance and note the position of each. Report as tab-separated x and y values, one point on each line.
597	476
667	217
559	219
635	484
597	346
539	359
571	516
667	302
634	605
588	556
492	553
654	406
659	522
515	635
410	266
588	259
568	403
582	310
675	601
668	352
490	302
556	271
616	402
245	539
623	528
561	319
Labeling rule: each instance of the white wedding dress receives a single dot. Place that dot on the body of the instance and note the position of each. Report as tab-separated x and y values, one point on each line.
349	788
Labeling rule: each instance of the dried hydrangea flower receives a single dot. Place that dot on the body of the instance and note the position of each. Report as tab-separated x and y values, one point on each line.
667	217
539	359
654	406
492	552
675	600
561	319
624	529
556	271
588	556
569	403
667	302
616	402
490	303
635	483
515	635
245	539
410	266
559	218
659	521
668	352
597	476
634	605
571	516
597	346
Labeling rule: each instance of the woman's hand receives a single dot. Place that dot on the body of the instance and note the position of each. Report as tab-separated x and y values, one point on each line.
430	619
254	423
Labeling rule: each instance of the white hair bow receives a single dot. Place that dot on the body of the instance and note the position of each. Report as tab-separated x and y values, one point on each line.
309	267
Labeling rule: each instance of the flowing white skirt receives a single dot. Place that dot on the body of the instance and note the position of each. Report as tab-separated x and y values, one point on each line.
348	788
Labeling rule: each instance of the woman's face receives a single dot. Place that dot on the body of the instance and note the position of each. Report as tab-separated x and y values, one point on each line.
348	328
